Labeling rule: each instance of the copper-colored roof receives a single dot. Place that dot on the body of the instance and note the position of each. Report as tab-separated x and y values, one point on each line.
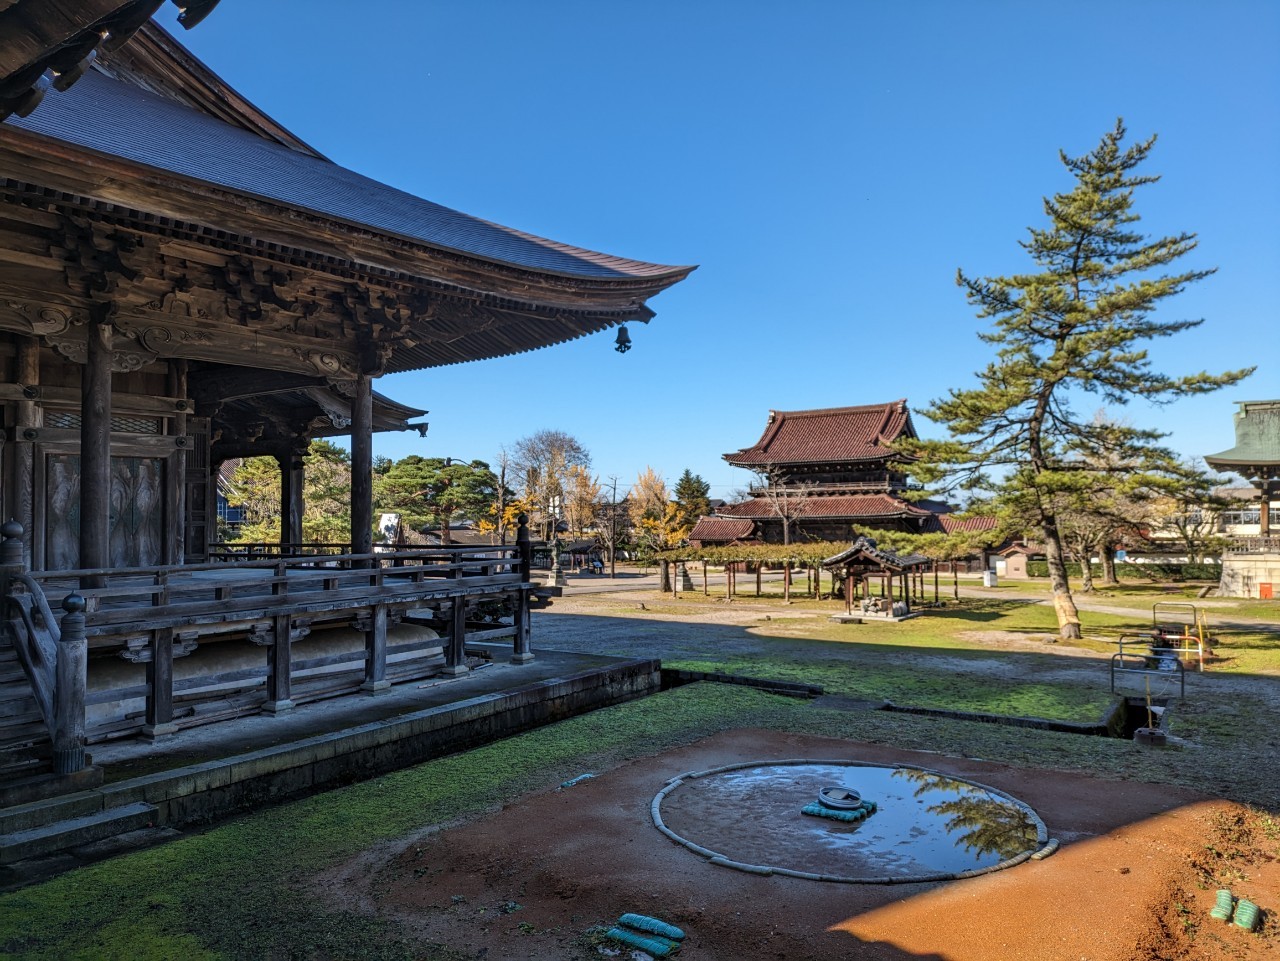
721	529
835	505
830	435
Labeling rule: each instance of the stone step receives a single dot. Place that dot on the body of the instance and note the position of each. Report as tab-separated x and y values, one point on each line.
21	728
74	832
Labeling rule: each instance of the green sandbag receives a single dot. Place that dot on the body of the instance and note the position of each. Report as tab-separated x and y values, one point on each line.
642	922
656	945
851	816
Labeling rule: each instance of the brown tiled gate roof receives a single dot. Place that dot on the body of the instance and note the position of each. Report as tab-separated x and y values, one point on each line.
834	505
721	529
830	435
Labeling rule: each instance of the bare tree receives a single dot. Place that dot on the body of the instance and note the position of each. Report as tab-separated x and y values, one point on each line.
502	501
541	463
613	523
581	500
788	499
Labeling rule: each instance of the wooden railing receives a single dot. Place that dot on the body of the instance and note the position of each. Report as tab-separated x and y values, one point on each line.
155	614
54	655
246	551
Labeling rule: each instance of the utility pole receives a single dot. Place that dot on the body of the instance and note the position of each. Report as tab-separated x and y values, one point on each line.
613	529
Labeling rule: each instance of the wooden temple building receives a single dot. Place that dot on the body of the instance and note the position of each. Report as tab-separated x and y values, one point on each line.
827	472
184	281
1251	564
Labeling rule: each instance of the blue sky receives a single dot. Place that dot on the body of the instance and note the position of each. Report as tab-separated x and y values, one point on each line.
828	165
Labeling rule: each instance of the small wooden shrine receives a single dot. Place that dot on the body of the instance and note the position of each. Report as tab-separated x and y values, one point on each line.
900	578
1251	565
184	281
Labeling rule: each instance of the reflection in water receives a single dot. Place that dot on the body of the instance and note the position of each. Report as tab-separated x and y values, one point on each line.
985	823
925	824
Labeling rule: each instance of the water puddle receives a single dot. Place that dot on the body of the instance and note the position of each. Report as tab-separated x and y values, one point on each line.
926	826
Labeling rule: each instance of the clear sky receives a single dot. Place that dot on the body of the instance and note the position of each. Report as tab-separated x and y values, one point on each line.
828	165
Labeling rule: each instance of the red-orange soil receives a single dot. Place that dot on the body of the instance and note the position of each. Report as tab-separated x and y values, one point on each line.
1135	877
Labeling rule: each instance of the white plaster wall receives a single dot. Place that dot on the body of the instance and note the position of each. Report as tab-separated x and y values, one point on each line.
1242	574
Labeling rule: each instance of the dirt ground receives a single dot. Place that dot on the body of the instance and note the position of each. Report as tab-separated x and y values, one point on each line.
1135	877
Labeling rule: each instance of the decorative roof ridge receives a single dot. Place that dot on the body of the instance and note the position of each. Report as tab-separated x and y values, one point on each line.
887	406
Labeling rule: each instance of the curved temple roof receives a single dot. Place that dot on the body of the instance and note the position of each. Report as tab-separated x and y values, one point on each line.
124	121
1257	450
829	435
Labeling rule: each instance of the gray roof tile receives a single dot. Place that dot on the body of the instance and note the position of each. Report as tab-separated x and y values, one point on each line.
122	120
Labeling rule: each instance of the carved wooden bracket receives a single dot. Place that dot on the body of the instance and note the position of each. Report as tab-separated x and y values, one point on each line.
139	651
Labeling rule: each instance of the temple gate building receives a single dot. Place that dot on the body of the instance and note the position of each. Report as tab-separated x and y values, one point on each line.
822	473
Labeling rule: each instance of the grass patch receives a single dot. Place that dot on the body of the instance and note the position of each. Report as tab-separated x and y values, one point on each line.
945	688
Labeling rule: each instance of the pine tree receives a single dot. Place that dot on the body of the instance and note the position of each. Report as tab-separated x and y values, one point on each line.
693	499
1074	327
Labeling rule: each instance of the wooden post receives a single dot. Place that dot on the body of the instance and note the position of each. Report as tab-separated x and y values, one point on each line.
705	591
292	478
455	652
159	718
522	647
69	691
375	644
280	667
24	478
175	477
1264	510
95	451
362	466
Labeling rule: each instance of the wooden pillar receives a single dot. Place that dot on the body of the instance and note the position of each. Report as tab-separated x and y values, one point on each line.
375	644
522	647
455	652
95	451
70	686
159	716
362	466
1264	510
280	667
24	476
175	477
292	478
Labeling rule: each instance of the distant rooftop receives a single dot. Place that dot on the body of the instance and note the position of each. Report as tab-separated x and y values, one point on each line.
1257	449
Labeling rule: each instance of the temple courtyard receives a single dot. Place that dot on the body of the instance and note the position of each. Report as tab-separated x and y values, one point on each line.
534	845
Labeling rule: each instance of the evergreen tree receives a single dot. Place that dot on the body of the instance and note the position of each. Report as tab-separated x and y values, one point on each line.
693	499
1074	327
434	491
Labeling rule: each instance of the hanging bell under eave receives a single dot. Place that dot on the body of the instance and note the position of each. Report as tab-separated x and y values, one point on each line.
623	343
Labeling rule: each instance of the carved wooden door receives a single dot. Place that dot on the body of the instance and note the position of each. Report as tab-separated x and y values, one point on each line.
137	511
